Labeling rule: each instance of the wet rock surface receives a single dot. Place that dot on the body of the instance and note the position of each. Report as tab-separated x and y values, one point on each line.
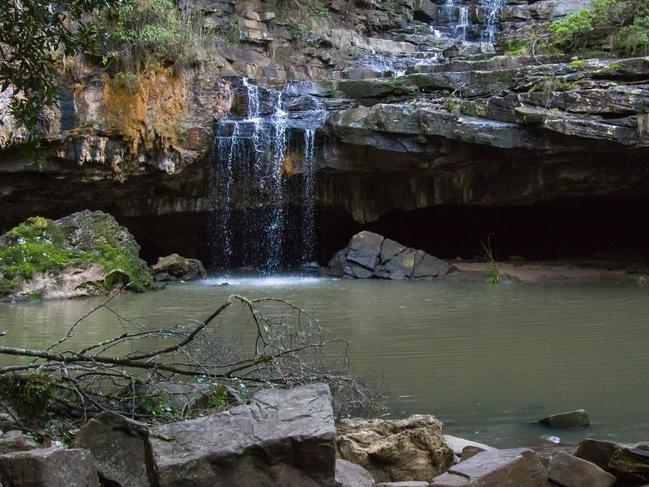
370	255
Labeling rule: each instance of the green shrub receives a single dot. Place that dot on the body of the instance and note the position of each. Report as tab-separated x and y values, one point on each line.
621	25
572	29
147	33
515	47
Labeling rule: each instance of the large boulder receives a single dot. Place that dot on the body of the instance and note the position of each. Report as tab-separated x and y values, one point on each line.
627	463
118	446
177	268
283	437
83	254
496	468
570	471
395	450
369	255
51	467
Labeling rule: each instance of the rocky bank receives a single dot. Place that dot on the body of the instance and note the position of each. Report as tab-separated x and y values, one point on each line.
290	438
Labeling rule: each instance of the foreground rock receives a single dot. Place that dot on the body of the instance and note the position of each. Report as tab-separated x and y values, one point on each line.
570	471
370	255
83	254
498	468
118	446
280	438
464	449
176	268
572	419
627	463
351	475
403	450
51	467
15	440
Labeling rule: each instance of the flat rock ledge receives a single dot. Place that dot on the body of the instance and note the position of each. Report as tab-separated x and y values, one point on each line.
370	255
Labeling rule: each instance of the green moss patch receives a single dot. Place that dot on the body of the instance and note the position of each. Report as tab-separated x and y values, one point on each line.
39	245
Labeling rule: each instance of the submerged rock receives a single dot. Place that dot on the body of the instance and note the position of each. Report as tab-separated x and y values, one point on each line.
176	268
571	419
283	437
401	450
83	254
496	468
370	255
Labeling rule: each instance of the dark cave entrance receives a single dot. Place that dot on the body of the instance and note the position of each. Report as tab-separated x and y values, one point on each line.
602	229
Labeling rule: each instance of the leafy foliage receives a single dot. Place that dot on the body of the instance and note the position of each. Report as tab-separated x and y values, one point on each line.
621	24
32	34
141	34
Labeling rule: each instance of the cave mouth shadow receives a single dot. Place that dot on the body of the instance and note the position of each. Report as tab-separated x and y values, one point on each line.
585	230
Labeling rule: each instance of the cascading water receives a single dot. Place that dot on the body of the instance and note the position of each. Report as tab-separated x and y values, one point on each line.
492	9
458	17
249	188
308	176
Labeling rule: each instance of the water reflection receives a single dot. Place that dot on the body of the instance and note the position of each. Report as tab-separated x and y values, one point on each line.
488	360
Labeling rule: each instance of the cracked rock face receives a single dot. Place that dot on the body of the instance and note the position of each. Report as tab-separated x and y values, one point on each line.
280	438
370	255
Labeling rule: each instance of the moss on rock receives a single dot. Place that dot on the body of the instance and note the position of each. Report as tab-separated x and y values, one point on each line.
36	254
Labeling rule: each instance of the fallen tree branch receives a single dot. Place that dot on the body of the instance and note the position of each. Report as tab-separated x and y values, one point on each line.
284	349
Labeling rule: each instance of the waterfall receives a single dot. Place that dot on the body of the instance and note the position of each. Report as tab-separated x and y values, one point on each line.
492	8
275	225
249	190
308	175
458	16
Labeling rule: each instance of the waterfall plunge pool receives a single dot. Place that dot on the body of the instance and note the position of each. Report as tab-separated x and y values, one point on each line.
489	361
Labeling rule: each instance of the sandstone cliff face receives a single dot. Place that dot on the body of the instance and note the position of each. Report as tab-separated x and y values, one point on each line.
419	111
